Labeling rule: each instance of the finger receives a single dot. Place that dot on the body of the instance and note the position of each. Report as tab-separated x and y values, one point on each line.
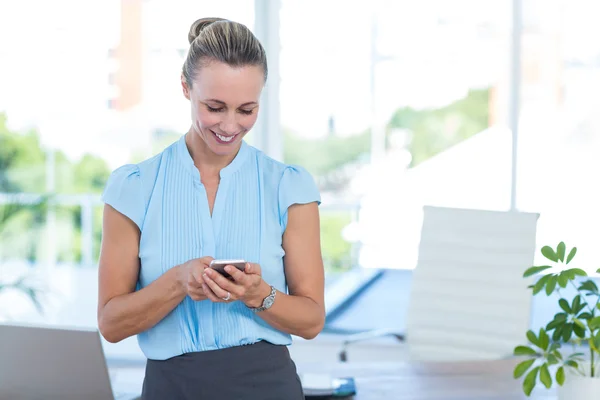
252	268
216	288
238	276
197	272
206	260
224	283
210	294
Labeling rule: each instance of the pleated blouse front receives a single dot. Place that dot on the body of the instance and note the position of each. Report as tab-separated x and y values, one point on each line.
165	197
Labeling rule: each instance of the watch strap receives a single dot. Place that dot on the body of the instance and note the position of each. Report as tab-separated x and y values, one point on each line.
267	301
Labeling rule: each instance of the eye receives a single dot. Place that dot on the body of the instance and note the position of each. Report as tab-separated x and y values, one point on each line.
247	112
211	109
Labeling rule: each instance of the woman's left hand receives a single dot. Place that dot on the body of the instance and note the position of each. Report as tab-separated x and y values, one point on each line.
246	286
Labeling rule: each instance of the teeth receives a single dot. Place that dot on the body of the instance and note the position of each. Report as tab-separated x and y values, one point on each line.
225	138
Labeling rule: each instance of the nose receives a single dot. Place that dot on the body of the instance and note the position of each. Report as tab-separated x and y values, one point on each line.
230	125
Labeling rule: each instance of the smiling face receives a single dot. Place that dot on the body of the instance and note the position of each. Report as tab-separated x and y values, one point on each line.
224	104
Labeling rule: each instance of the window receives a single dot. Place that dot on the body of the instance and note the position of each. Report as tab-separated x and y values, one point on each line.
559	141
393	106
80	97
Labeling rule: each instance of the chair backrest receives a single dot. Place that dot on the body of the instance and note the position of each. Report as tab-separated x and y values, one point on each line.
468	297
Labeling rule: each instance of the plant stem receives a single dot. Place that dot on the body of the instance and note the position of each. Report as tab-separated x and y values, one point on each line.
592	374
580	294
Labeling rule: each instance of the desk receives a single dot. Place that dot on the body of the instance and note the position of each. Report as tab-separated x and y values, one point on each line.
482	380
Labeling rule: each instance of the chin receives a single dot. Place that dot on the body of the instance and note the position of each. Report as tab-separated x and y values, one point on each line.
224	150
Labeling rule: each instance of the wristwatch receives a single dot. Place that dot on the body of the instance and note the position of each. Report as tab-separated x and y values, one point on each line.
267	302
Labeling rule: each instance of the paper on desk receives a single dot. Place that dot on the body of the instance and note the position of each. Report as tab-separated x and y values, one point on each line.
317	381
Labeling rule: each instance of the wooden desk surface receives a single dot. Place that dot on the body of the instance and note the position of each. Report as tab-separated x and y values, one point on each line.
485	380
482	380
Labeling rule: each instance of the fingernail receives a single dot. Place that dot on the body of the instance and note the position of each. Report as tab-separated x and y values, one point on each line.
228	268
207	272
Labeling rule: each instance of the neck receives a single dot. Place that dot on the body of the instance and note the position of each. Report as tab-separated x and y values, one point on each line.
208	163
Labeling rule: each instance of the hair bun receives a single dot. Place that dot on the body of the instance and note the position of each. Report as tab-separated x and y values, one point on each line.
199	25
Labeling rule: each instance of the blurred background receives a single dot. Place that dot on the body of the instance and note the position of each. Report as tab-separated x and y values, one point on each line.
391	105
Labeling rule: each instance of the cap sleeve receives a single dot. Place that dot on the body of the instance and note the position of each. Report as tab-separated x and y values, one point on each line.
123	192
297	186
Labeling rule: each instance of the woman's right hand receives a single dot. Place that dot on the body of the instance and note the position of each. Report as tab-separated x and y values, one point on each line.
190	277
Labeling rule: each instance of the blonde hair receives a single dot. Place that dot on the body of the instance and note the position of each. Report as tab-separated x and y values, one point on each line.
218	39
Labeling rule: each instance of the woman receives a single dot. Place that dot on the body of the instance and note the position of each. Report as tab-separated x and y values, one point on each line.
211	196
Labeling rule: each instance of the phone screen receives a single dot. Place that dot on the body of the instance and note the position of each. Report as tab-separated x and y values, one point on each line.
219	266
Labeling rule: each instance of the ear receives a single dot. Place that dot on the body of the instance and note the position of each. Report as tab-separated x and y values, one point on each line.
184	86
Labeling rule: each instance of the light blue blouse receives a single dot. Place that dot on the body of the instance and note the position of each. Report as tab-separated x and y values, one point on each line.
167	201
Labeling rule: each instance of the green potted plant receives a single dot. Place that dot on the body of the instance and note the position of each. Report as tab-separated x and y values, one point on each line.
567	350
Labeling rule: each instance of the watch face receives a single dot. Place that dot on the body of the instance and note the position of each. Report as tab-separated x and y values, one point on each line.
268	302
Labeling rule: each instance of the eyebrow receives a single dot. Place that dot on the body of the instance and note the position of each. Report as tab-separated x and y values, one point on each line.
250	103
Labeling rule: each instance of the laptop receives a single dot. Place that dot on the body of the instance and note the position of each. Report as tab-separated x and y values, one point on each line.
54	363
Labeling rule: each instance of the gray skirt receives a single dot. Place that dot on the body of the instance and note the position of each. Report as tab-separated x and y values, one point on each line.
260	371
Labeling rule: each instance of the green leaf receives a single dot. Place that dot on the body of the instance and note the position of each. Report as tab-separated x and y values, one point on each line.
579	323
564	304
568	331
534	270
574	355
576	304
569	274
576	271
524	351
560	376
551	285
596	342
590	286
571	254
543	339
554	352
594	323
545	376
585	315
554	324
572	363
529	381
522	367
558	332
561	316
552	359
563	280
540	284
560	251
579	331
549	253
533	338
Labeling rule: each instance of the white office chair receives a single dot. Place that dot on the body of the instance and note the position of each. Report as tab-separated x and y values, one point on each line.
468	298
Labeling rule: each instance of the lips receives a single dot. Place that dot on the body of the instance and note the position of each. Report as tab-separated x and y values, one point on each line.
223	139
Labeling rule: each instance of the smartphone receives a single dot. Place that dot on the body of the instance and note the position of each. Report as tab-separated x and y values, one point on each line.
219	266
